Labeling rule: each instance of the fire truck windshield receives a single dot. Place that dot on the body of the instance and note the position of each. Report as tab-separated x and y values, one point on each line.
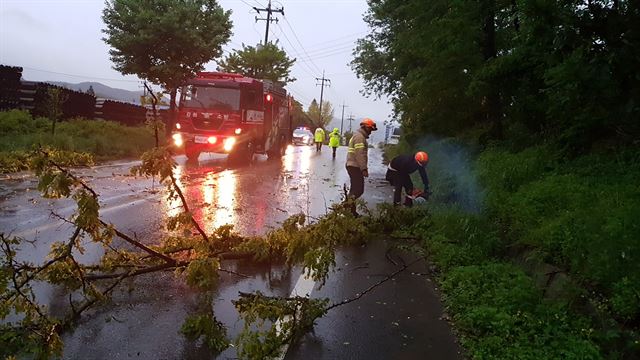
208	97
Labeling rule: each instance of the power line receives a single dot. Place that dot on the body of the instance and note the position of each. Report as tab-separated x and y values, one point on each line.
322	85
298	93
299	42
341	37
292	57
330	53
269	10
249	5
304	62
336	46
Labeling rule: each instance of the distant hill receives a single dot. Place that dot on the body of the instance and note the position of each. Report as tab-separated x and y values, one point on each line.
103	91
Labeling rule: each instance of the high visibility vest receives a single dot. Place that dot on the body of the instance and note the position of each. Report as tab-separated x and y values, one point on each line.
357	150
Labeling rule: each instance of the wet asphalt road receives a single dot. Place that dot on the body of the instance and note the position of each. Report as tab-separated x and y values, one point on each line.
399	320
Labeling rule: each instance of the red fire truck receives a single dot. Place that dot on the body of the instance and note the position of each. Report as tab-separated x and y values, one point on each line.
233	114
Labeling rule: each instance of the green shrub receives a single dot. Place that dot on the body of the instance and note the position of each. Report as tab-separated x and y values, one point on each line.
15	122
577	214
502	172
503	316
580	214
105	140
456	238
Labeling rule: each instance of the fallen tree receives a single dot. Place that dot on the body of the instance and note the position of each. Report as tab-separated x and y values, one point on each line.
195	256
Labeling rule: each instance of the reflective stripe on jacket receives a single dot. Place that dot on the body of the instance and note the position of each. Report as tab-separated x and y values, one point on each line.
357	151
319	135
334	139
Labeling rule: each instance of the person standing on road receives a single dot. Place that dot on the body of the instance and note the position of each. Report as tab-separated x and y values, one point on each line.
357	160
399	175
319	138
334	140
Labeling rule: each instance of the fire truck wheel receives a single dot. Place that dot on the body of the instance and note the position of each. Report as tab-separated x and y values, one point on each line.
192	153
278	151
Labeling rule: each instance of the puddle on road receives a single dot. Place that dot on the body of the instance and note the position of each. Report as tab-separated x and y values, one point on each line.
251	198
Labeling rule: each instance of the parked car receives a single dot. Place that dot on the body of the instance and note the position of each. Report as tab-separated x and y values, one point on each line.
302	136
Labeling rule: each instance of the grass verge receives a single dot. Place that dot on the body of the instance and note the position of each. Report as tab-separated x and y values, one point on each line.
537	254
76	142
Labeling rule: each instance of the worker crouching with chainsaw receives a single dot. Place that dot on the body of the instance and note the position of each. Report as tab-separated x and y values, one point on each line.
399	176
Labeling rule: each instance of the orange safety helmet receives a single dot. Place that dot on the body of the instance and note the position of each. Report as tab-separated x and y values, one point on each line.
369	123
422	158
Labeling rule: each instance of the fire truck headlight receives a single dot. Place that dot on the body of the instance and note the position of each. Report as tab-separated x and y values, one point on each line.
228	143
178	126
238	131
177	139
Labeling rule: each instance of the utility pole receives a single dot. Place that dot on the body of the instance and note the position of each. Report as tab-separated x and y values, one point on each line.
322	85
350	121
269	10
342	119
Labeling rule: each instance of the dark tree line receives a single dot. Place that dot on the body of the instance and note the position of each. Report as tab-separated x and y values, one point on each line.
518	70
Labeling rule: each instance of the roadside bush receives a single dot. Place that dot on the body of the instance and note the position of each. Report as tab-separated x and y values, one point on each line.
456	238
19	131
503	316
587	224
578	214
21	122
502	173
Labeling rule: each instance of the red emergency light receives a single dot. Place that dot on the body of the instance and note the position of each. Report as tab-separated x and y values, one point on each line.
269	98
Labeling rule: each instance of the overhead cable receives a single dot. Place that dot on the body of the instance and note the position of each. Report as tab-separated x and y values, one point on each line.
302	61
300	42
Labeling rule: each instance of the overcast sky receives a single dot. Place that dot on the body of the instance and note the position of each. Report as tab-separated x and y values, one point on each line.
60	40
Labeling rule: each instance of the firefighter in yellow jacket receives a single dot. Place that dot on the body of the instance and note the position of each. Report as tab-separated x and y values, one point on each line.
319	138
357	159
334	140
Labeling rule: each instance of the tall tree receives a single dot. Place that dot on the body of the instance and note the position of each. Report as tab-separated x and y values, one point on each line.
314	113
260	62
522	69
423	57
165	41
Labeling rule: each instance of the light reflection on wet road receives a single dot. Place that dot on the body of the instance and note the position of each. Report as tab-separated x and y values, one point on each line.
253	198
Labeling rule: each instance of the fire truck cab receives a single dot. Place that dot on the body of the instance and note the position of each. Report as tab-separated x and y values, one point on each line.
233	114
